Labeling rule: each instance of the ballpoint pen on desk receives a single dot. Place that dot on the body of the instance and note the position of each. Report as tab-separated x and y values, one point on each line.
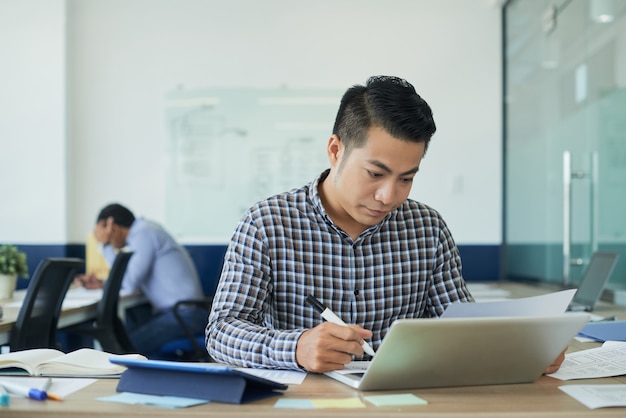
330	316
25	391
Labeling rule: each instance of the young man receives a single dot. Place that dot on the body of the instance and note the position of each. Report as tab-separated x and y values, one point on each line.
159	268
351	238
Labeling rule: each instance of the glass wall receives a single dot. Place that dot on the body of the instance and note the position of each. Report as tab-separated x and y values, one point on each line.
565	137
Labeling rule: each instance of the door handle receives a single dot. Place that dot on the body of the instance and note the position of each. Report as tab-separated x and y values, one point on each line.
568	176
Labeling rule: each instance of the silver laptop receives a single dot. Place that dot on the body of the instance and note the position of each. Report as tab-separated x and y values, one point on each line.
426	353
592	283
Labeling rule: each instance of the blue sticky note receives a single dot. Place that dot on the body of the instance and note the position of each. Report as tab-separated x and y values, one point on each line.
162	401
401	399
294	403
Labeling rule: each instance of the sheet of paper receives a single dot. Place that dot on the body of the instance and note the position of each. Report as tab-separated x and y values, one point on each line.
597	396
608	360
74	298
550	304
286	377
59	386
355	367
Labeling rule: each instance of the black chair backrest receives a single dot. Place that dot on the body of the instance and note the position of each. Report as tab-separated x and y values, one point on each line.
107	307
37	320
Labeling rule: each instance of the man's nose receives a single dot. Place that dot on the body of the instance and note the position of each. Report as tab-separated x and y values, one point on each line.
385	193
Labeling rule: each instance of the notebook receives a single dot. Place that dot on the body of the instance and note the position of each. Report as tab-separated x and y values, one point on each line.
444	352
592	283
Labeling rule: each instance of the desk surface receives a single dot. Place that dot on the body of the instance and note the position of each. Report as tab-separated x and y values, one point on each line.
80	305
539	399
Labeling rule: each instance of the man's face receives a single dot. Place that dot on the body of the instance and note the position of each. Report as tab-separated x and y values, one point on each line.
107	232
371	181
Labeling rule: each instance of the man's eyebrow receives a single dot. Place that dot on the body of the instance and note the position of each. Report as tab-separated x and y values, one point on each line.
388	170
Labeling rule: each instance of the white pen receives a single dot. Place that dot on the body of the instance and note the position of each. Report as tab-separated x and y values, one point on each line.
25	391
330	316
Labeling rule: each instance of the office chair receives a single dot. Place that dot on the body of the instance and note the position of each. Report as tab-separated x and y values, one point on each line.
108	328
192	347
37	321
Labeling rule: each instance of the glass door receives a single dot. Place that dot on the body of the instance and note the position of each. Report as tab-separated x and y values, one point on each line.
565	143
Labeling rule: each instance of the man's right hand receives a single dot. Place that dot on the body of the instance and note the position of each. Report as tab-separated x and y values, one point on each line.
88	281
330	346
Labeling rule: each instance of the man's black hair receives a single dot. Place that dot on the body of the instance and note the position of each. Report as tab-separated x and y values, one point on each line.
387	102
122	216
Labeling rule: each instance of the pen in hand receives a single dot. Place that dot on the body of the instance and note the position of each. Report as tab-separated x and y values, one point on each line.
330	316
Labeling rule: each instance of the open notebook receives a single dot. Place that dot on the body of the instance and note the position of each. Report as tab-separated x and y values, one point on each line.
424	353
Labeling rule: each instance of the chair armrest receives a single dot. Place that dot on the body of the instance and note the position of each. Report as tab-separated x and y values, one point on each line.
204	303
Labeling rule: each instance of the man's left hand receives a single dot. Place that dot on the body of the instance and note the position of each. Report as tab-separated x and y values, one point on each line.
556	364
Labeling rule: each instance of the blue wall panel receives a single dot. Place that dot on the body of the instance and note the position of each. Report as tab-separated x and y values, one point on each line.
480	262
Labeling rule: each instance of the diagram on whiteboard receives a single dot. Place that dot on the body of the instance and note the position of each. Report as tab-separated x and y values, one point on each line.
228	148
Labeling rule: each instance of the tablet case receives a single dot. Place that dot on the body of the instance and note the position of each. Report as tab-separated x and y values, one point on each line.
212	382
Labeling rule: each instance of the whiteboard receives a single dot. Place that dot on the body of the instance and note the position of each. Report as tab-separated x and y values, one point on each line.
228	148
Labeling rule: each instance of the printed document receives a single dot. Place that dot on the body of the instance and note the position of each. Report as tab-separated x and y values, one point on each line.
597	396
606	361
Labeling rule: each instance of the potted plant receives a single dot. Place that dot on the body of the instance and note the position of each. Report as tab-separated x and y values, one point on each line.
12	264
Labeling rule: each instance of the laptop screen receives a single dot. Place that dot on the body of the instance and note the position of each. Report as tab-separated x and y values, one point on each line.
593	281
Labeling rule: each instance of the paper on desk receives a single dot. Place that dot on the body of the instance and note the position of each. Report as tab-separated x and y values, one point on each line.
597	396
74	298
550	304
79	296
286	377
59	386
608	360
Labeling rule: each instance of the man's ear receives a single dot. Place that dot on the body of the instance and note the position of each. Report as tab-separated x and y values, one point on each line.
334	150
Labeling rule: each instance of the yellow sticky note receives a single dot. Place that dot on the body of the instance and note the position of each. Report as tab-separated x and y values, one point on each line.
400	399
338	403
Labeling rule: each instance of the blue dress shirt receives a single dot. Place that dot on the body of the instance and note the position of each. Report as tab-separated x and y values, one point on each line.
160	268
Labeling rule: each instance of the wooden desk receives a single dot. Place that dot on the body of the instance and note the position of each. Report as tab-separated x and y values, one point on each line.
538	399
70	315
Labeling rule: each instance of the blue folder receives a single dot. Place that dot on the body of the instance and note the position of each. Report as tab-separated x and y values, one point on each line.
605	331
212	382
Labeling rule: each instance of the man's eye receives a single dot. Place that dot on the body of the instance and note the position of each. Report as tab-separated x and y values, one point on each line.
374	174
